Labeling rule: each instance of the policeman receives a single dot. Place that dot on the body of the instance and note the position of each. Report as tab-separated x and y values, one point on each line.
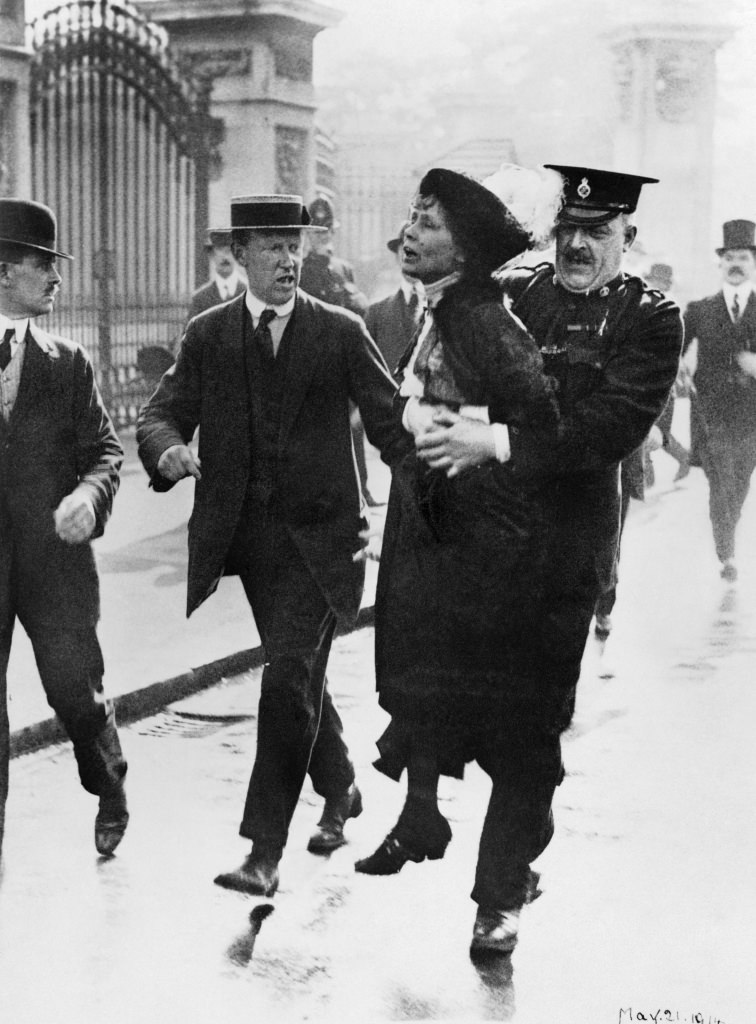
613	344
324	275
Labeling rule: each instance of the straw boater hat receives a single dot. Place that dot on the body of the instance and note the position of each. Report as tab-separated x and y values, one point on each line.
29	225
270	213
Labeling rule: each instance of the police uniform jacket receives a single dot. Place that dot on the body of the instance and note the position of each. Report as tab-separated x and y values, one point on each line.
331	360
614	354
58	436
331	280
725	395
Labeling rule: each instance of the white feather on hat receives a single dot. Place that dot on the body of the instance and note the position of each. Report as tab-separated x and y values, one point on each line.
533	195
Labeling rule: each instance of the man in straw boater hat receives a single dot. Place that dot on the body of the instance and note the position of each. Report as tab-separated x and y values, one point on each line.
59	464
268	379
613	344
724	325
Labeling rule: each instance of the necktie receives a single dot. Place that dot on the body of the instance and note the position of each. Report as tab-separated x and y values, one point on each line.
262	334
5	348
735	308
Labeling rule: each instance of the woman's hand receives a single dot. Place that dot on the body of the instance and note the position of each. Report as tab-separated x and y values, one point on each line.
456	443
372	541
420	416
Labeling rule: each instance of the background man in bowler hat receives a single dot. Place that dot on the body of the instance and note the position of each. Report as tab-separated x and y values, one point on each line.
724	325
268	378
613	344
225	278
59	464
393	321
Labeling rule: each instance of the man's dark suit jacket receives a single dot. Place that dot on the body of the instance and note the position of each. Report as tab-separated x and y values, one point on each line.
58	436
208	296
725	396
391	326
332	360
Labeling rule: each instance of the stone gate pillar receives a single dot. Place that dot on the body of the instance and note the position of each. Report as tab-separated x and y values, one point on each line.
666	75
255	59
15	154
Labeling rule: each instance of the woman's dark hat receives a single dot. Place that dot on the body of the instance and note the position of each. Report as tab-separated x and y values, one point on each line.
29	225
593	196
737	234
480	222
270	213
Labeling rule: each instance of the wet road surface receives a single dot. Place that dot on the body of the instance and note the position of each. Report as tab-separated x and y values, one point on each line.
649	894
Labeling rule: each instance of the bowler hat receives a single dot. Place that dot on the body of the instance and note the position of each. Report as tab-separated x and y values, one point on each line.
660	275
480	222
321	213
218	239
737	234
596	197
29	225
394	243
269	213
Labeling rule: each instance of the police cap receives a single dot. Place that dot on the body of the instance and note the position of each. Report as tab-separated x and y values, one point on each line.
594	196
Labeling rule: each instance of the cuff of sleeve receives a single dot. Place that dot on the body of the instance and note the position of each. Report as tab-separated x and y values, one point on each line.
475	412
501	441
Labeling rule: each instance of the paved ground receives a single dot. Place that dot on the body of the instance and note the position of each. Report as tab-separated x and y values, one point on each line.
649	896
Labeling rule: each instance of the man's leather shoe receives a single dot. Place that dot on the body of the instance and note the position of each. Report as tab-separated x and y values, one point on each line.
495	931
329	834
111	821
257	876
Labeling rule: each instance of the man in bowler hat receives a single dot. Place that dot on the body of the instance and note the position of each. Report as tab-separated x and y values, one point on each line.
59	464
724	325
393	321
268	378
225	280
613	345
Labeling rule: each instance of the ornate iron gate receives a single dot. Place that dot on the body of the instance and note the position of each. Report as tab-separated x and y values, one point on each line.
121	146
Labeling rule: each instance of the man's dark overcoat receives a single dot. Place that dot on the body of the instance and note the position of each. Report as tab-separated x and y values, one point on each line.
58	437
615	354
208	296
391	325
726	397
332	360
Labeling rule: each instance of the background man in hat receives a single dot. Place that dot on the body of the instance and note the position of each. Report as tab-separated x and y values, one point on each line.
393	321
331	279
59	464
268	378
724	325
613	344
225	276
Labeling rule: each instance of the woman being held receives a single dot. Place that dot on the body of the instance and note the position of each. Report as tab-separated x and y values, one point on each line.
456	591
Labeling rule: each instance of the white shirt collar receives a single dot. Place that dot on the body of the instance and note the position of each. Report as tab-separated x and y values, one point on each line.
743	292
408	288
256	306
435	292
19	326
227	285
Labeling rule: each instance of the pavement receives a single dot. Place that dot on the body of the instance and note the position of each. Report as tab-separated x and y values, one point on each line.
648	910
153	653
